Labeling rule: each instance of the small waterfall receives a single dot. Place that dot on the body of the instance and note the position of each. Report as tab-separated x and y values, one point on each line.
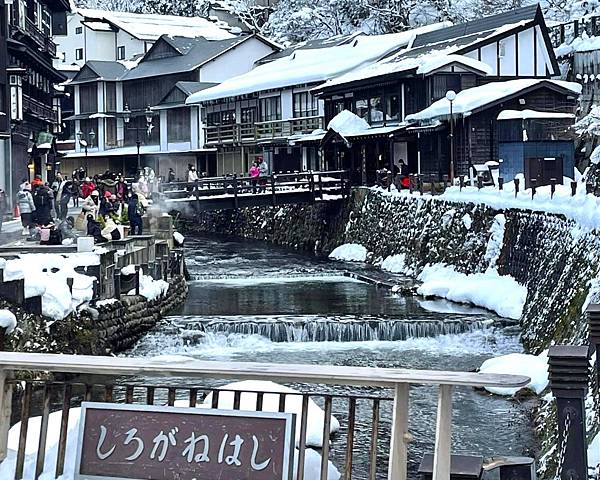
331	330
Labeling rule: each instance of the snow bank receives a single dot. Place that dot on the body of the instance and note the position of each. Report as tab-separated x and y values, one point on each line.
293	404
7	467
396	264
534	367
150	288
46	275
594	453
347	123
8	321
496	240
501	294
350	252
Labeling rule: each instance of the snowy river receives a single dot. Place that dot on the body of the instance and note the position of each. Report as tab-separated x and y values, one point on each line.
255	302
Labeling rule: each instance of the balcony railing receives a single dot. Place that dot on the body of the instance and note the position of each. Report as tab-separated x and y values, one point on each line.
261	131
40	38
37	109
387	391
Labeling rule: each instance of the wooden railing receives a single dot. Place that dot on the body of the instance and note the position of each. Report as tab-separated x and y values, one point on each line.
394	380
39	37
233	191
252	132
568	31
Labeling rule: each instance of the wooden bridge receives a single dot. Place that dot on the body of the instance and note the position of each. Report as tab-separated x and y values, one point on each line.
233	191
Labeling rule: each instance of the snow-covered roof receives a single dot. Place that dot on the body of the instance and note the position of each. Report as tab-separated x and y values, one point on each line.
150	27
310	65
99	26
477	97
347	122
527	114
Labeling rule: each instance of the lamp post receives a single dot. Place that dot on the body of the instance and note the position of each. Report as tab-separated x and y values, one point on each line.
83	143
451	96
149	117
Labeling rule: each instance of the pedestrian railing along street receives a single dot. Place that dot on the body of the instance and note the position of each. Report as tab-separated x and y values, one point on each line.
47	382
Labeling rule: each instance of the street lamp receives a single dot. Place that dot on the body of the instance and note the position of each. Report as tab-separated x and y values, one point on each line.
126	118
451	96
83	144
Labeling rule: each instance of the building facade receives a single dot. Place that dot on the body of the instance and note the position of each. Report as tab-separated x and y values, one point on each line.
31	111
117	109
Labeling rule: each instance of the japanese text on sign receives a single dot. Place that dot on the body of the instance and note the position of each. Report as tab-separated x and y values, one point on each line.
139	442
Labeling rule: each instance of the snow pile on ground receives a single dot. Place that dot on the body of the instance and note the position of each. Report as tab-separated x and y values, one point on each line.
350	252
532	366
501	294
396	264
150	288
8	321
293	404
46	275
7	467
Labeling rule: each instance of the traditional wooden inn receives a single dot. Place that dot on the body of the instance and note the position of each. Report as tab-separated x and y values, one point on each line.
391	92
29	110
265	110
132	114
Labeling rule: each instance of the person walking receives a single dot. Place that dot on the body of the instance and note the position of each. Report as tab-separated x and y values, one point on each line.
135	210
87	187
192	174
26	207
254	174
65	193
263	166
91	205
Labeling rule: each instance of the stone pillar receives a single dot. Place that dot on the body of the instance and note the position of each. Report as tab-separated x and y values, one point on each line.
568	367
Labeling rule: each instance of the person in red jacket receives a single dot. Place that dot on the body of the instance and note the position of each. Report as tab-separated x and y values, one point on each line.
87	187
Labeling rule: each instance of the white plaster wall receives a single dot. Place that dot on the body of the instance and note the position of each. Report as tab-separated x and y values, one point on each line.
68	43
526	67
194	133
99	45
132	45
489	56
163	131
508	64
543	59
235	62
287	105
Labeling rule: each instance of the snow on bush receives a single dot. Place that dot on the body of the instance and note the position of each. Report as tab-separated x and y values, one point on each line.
293	404
350	252
396	264
8	321
150	288
532	366
467	221
46	275
179	238
594	453
501	294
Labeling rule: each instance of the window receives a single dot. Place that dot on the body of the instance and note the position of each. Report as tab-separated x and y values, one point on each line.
110	92
362	109
46	22
376	110
121	52
305	105
270	109
226	117
79	54
88	98
392	107
110	132
248	115
442	83
78	30
178	125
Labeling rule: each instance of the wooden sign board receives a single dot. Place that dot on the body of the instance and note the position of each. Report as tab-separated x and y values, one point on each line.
140	442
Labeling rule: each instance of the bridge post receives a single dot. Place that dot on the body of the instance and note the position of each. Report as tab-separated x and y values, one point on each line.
320	187
311	186
235	191
197	194
273	199
400	436
568	368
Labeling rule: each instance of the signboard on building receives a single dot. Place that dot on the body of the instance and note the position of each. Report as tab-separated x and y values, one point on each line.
138	442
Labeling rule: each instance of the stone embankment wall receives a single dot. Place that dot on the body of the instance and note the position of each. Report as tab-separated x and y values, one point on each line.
557	260
108	327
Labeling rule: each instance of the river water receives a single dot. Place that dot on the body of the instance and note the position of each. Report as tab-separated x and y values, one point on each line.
255	302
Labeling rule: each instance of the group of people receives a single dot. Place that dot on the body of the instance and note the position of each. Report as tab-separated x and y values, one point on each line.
258	174
108	201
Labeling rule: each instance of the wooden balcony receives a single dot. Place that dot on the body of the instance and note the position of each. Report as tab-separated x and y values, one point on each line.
237	134
39	110
44	42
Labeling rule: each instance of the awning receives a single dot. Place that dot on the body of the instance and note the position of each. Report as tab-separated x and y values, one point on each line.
86	116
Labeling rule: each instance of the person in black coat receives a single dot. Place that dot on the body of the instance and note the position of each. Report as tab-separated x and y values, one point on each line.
134	212
94	229
43	199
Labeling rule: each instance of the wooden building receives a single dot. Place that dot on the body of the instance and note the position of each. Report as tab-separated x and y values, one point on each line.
27	78
493	65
